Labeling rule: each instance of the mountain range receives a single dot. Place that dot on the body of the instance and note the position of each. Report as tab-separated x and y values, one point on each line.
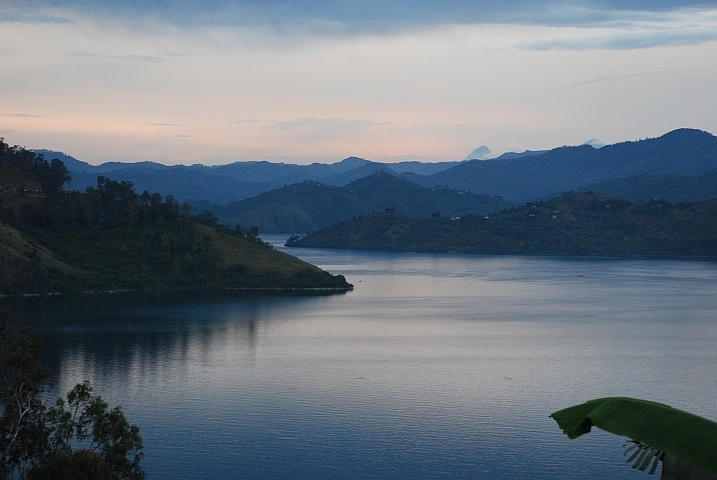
677	165
235	181
684	152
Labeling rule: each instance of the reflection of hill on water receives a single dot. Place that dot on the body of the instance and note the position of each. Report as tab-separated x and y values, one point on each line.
118	332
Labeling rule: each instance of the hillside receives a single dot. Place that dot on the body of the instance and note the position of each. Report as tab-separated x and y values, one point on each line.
384	191
111	238
575	223
304	207
680	152
673	188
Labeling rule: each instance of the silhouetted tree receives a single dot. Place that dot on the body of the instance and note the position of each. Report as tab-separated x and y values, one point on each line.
78	438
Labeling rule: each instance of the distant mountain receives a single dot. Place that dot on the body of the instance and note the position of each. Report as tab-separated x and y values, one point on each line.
421	168
595	143
483	153
383	191
680	152
155	177
71	163
338	174
306	206
300	207
527	153
75	165
341	179
232	182
673	188
575	223
279	173
181	182
480	153
518	177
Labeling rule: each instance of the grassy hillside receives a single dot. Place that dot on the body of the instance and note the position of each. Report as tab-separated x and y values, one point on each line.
306	206
574	223
110	238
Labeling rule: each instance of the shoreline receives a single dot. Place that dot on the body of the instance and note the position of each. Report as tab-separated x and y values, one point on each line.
160	290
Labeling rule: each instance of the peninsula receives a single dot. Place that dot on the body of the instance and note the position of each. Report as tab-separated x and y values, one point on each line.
110	238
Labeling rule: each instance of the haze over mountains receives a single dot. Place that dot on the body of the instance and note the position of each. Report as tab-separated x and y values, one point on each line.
677	164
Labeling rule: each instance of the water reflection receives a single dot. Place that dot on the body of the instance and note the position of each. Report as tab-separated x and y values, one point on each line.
114	328
434	366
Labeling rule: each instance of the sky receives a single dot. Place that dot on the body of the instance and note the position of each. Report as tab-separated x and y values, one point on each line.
213	82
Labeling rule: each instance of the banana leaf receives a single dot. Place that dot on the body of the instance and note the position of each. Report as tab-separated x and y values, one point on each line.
682	435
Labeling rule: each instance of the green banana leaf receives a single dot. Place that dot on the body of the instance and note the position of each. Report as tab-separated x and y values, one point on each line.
685	436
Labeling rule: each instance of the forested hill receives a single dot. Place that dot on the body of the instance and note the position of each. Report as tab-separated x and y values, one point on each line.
306	206
673	188
111	238
573	224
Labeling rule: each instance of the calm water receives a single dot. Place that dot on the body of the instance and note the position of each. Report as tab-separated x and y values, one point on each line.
433	367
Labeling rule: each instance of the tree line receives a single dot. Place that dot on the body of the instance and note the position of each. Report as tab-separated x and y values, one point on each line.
107	205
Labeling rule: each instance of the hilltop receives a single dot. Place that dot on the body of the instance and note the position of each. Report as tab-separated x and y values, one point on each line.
574	223
306	206
111	238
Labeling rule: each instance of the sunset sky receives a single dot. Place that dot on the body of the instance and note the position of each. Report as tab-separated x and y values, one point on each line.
303	81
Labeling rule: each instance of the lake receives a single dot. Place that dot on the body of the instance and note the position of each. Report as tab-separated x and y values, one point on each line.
435	366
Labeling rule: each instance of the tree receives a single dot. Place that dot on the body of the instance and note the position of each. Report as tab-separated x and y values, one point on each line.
207	218
112	448
79	438
52	176
23	432
685	443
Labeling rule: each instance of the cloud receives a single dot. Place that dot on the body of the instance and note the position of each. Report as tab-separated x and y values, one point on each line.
609	79
625	40
244	94
514	147
325	124
21	115
134	58
343	16
324	130
30	16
